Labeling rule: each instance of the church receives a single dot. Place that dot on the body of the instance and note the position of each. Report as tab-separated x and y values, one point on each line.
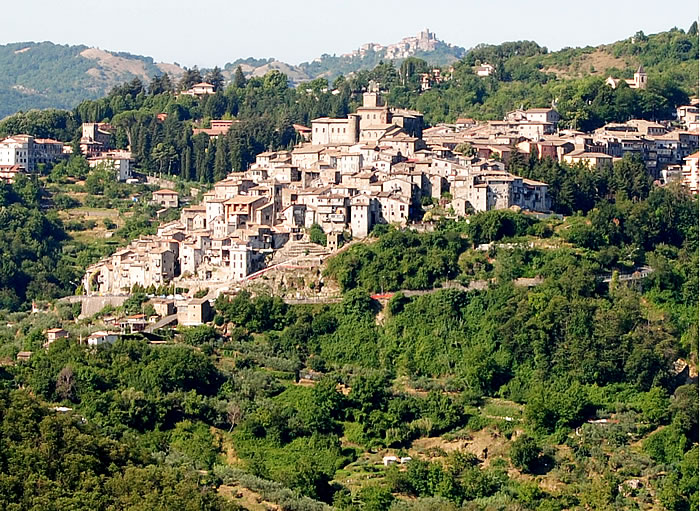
638	82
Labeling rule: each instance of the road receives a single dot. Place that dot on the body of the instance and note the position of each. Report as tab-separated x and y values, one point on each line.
641	273
161	323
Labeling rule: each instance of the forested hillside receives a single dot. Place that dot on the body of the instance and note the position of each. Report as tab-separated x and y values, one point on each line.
556	370
45	75
570	394
267	107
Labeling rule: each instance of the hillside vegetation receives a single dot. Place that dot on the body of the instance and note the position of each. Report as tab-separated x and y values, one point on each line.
566	381
564	395
46	75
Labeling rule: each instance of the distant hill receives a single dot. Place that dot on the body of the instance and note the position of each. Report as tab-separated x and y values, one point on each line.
48	75
42	75
425	45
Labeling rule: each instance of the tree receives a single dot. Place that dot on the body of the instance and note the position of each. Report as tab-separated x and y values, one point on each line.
631	177
199	335
164	154
189	78
375	498
65	383
160	84
132	305
220	160
319	408
239	80
316	235
215	78
196	442
466	149
524	453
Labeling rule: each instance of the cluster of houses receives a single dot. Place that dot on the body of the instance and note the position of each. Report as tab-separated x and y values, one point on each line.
425	41
96	145
353	173
24	153
668	149
54	334
377	165
187	312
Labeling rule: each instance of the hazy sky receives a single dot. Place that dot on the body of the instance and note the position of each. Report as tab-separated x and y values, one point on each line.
213	32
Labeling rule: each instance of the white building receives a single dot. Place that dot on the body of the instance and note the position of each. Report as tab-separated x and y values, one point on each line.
25	152
691	175
102	337
121	161
16	151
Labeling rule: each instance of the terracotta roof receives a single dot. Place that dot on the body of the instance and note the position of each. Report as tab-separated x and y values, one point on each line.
588	155
309	149
330	119
244	199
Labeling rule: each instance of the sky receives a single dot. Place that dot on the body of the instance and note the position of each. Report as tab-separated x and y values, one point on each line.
214	32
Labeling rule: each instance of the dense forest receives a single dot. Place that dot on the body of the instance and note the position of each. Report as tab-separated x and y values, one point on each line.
47	75
520	362
444	367
266	107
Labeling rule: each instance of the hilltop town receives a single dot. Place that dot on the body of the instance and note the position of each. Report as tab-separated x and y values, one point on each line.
426	41
422	284
377	166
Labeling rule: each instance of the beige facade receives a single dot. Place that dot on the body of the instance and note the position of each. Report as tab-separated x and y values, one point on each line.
163	306
689	116
691	174
99	338
144	266
196	311
488	190
306	157
592	160
24	152
327	131
199	89
166	198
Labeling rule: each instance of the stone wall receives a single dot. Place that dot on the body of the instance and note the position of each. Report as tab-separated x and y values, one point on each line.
93	304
